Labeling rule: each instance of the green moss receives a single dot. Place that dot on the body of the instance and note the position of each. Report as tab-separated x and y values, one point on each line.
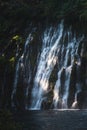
16	37
12	60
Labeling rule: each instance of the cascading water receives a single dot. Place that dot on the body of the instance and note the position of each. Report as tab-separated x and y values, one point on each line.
60	49
60	100
22	64
46	64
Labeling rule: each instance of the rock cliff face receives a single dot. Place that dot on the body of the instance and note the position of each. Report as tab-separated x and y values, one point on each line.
51	72
16	23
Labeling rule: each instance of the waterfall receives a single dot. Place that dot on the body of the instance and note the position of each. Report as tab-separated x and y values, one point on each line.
46	64
21	66
60	50
60	100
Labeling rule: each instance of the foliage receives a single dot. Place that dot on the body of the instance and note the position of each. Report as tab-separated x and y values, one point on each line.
44	8
12	60
83	11
16	37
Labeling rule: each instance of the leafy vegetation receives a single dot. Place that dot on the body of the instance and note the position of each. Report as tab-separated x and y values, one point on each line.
16	15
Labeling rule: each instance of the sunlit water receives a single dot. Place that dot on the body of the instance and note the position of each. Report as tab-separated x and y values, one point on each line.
60	48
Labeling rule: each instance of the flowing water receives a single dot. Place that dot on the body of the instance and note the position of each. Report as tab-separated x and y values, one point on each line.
61	49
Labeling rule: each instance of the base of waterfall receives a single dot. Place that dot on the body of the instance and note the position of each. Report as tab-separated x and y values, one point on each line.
52	119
